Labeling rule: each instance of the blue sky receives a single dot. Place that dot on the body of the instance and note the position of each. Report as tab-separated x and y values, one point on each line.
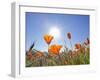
39	24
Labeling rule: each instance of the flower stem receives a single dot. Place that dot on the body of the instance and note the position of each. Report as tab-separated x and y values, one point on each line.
71	45
48	47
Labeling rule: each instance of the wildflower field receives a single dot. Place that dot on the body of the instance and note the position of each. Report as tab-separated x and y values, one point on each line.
78	54
56	39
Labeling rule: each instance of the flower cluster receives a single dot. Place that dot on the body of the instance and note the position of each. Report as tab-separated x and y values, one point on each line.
78	54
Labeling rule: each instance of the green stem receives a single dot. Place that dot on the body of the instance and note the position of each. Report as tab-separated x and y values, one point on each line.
48	47
84	58
71	44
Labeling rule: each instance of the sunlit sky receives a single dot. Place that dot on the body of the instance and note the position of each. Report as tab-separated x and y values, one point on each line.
39	24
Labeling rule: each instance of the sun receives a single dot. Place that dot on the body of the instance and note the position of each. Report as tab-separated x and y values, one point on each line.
54	31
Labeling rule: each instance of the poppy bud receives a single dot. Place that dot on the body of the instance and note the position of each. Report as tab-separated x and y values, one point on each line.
69	35
77	46
88	42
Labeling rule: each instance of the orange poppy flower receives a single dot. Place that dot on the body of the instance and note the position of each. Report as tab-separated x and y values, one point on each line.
77	46
48	38
69	35
54	49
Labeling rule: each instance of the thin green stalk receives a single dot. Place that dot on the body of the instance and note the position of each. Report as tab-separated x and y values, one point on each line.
71	44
